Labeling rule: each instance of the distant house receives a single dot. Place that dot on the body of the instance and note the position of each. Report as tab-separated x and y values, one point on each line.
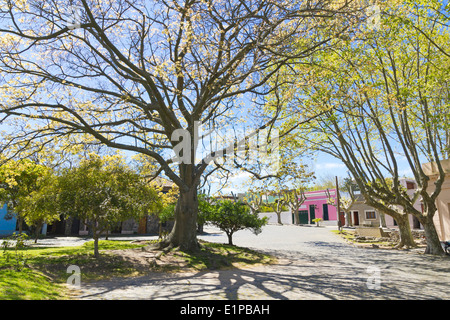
7	222
317	205
411	187
362	214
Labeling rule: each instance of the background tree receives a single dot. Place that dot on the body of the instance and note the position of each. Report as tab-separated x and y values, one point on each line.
102	192
277	205
345	202
132	74
232	216
294	178
254	199
327	181
40	205
18	181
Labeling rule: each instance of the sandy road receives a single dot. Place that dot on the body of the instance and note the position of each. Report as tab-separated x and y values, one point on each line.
313	263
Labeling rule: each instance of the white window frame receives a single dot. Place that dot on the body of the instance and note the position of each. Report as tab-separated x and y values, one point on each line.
365	215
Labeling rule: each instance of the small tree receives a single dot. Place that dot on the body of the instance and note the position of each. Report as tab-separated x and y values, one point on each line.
19	179
40	205
104	192
295	198
345	204
317	220
205	207
231	216
254	200
277	206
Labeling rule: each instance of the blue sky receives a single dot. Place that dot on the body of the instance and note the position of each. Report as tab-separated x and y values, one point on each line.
325	165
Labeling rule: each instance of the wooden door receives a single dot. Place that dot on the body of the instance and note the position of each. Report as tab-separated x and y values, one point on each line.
355	218
312	213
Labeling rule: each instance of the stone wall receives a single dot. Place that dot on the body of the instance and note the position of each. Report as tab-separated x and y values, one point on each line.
375	232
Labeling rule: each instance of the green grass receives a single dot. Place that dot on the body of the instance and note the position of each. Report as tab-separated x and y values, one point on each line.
44	274
45	270
28	284
351	237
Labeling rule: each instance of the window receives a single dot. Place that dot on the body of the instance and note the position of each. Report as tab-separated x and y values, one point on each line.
370	215
410	185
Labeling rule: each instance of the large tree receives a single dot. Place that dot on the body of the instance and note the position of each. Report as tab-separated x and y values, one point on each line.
139	75
387	96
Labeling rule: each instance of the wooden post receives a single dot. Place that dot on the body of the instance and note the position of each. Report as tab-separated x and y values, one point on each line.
338	206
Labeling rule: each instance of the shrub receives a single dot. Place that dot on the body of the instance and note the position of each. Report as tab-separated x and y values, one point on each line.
230	216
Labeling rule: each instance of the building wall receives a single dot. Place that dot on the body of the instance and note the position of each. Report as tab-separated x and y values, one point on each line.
286	217
318	199
360	209
442	217
7	226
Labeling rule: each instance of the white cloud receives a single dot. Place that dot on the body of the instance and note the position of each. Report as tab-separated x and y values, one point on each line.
329	165
241	175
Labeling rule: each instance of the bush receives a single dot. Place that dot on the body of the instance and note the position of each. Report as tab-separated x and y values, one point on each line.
317	220
230	216
17	242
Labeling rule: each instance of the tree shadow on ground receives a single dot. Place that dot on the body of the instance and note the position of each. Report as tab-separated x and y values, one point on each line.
333	276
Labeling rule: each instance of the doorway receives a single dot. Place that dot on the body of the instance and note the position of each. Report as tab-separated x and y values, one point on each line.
325	212
312	213
355	218
416	223
303	216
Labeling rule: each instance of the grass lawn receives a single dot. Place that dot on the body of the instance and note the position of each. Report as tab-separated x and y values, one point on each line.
350	236
41	273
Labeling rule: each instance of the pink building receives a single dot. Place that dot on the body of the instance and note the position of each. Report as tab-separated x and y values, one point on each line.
316	206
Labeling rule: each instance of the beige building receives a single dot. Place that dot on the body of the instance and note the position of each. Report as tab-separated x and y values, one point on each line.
442	216
362	214
365	215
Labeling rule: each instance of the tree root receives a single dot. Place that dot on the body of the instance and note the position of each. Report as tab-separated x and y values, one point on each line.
166	246
402	245
160	246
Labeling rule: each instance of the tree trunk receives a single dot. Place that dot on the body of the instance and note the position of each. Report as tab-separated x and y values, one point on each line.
96	252
406	238
382	220
68	226
279	218
95	235
295	212
184	232
38	231
433	243
230	239
349	219
20	223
